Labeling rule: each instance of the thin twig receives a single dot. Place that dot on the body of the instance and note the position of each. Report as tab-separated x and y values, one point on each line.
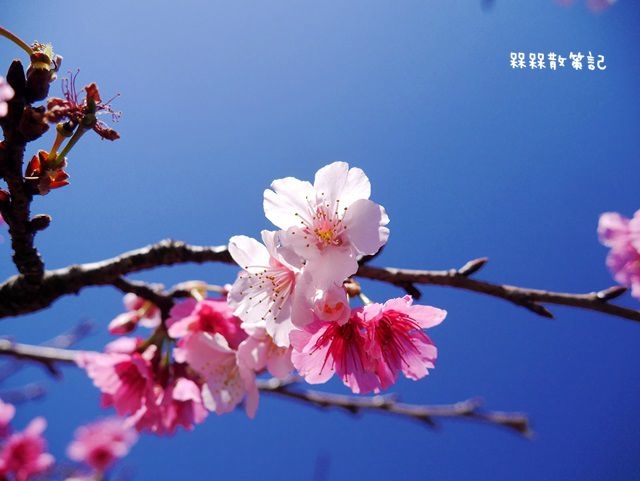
62	341
14	300
389	404
530	299
49	357
469	409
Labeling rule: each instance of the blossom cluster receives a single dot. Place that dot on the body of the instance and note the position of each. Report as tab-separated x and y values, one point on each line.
288	309
622	235
23	453
96	447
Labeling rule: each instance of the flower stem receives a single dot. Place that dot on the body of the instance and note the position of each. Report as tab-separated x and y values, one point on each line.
54	148
72	141
17	40
366	301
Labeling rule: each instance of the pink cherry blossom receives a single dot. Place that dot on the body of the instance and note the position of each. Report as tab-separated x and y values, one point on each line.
182	405
6	93
268	291
178	404
324	348
227	381
622	235
209	315
328	223
138	311
259	352
7	411
23	454
371	348
101	443
126	379
396	340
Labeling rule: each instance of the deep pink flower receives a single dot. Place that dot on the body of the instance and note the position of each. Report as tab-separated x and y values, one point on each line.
325	348
23	454
182	405
622	235
328	223
178	404
101	443
210	315
371	348
126	379
6	93
267	292
396	338
227	381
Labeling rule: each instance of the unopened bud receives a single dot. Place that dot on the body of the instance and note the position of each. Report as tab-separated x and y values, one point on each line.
33	123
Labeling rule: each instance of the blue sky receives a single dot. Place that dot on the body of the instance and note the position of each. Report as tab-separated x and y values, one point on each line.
469	157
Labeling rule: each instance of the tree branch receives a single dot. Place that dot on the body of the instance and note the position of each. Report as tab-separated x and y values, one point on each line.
469	409
16	211
389	404
530	299
16	299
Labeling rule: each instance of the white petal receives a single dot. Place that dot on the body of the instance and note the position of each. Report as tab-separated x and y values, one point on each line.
288	202
364	223
248	252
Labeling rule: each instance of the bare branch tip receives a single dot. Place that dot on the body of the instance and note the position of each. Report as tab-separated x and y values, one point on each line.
611	293
472	266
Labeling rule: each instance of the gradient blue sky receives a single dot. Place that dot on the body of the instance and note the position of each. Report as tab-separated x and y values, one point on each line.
469	157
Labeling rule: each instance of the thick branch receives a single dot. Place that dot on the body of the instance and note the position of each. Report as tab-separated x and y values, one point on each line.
15	299
16	211
469	409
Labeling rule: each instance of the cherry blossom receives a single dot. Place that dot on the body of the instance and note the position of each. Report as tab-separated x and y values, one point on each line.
328	223
227	381
622	235
209	315
324	348
397	341
268	290
23	454
182	405
101	443
125	378
259	352
371	348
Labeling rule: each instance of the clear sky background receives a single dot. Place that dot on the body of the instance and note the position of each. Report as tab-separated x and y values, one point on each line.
470	159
